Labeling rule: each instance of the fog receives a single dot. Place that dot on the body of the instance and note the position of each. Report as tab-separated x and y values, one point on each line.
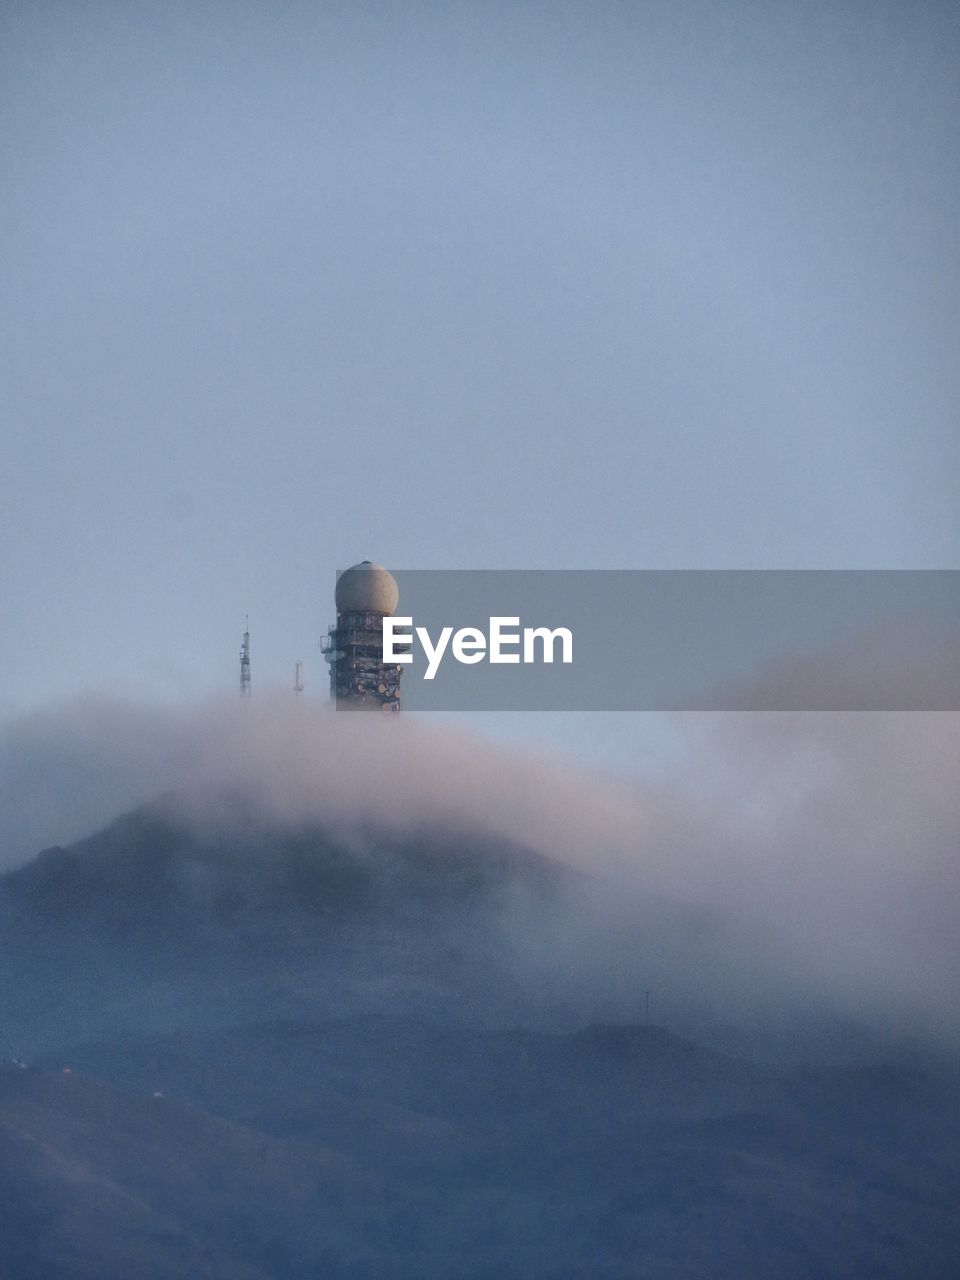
818	849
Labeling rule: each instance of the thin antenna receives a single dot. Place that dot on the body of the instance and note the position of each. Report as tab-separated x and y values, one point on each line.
245	662
646	1008
298	678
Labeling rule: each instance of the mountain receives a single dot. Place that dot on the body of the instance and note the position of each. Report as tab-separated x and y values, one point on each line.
155	925
253	1052
383	1147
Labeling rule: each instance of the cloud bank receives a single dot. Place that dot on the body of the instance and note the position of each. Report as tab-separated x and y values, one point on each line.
837	834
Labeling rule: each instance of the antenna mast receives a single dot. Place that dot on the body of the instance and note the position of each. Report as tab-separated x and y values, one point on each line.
298	678
245	663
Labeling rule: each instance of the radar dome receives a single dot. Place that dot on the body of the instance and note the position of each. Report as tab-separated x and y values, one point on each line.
367	588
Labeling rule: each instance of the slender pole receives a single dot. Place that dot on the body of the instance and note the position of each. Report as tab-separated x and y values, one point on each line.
245	662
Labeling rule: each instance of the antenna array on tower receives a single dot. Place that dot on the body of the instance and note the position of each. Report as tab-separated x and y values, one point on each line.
245	663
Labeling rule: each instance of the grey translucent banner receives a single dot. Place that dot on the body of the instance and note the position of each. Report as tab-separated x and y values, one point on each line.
858	640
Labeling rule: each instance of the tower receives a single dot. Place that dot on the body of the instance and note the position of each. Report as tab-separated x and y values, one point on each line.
366	594
245	663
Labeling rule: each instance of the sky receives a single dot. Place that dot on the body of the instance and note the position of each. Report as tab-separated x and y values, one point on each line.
565	285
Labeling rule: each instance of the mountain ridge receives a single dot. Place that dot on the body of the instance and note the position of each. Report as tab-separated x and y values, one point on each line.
270	1052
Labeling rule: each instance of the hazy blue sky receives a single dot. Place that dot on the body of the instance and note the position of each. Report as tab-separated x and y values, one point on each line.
489	285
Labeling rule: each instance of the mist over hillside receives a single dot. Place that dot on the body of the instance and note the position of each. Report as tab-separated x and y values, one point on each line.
269	1050
327	996
818	852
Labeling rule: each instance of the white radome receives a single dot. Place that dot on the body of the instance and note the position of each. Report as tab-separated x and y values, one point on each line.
367	588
